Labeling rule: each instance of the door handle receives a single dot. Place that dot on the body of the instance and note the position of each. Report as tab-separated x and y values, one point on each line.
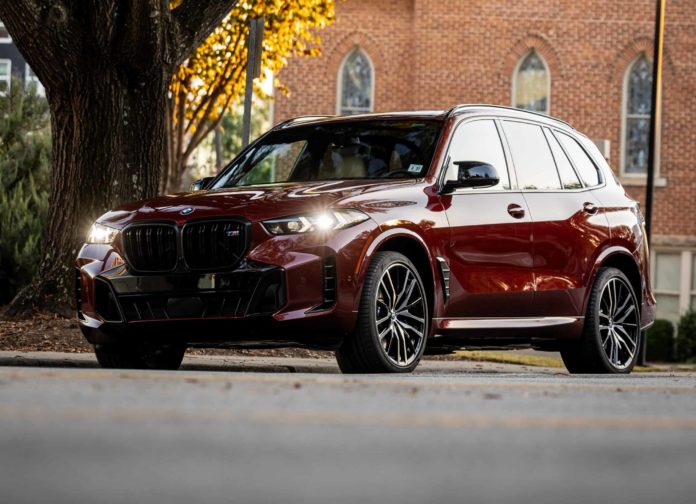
515	210
590	208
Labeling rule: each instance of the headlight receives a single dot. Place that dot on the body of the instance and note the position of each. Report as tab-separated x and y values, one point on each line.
101	234
329	220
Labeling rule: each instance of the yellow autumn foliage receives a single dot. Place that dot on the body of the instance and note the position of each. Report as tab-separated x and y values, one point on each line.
213	79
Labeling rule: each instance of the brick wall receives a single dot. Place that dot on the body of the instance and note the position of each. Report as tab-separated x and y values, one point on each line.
437	53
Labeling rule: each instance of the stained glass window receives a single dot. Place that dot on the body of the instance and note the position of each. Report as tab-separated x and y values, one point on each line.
637	106
532	84
356	83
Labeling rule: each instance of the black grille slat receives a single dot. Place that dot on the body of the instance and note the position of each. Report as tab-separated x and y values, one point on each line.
151	247
202	306
214	245
234	295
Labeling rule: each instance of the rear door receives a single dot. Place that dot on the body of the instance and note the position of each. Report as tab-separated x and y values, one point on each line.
567	220
490	248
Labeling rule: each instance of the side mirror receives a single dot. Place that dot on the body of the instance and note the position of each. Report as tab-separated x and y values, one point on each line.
473	174
200	184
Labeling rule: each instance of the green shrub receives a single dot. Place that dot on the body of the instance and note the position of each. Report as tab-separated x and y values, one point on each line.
660	342
686	337
25	147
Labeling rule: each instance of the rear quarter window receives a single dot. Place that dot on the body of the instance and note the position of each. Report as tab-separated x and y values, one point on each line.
586	168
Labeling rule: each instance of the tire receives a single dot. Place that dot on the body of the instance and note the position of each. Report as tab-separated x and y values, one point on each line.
611	336
121	356
393	323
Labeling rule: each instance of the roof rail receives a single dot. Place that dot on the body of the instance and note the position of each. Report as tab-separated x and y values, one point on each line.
456	108
300	119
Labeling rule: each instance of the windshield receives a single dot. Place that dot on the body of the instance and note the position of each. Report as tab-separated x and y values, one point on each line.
342	151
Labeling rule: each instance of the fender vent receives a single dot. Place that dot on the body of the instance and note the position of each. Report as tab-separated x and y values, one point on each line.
329	281
445	275
329	285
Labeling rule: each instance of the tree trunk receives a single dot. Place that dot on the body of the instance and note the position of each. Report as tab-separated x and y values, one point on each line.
108	147
106	67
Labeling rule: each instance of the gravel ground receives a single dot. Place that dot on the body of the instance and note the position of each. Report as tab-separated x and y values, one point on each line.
53	333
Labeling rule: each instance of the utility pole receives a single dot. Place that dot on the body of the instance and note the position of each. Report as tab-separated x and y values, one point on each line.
253	71
655	122
656	111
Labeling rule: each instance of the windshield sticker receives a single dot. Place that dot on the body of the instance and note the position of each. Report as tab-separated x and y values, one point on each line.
415	168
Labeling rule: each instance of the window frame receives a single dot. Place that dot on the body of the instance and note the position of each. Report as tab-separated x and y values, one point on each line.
515	74
548	131
512	174
339	82
633	178
40	89
600	172
8	39
554	130
685	292
512	169
541	127
7	79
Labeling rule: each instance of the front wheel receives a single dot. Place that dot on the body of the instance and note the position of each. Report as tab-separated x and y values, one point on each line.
611	337
125	356
393	320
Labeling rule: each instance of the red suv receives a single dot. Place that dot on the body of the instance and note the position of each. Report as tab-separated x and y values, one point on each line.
377	236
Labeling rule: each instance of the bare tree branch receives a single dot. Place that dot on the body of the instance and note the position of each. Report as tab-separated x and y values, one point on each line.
194	20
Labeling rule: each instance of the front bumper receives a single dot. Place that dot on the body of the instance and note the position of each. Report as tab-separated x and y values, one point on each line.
252	290
257	304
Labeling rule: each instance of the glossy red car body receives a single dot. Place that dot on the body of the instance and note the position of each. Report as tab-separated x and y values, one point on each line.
520	263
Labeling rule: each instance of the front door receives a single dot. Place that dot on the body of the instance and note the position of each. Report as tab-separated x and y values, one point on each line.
490	242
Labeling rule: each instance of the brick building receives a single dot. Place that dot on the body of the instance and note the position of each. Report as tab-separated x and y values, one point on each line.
588	62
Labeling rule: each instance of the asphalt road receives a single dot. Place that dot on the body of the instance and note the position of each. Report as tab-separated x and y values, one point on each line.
451	433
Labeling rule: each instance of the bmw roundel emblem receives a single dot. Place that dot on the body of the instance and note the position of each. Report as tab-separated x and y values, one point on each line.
187	211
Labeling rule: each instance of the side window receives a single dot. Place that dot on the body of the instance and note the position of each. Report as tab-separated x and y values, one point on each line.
569	178
587	169
534	163
479	141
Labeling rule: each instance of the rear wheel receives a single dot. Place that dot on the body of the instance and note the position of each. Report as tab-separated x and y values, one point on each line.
128	356
611	337
393	319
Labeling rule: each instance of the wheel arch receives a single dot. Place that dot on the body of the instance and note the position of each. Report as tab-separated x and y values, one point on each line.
622	260
414	248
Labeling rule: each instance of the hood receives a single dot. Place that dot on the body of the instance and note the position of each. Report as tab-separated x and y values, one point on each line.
254	203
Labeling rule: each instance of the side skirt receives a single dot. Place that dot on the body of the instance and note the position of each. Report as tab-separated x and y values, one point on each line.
555	328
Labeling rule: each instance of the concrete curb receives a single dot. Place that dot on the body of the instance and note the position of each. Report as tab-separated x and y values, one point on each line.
250	364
